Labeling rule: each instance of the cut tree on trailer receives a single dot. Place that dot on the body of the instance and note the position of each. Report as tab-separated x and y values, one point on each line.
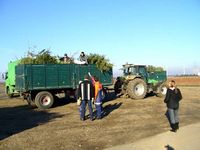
137	82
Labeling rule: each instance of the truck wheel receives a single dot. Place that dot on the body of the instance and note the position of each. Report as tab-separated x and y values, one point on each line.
30	102
137	89
44	100
10	95
162	90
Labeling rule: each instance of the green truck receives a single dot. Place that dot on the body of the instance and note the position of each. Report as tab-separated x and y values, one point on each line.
40	83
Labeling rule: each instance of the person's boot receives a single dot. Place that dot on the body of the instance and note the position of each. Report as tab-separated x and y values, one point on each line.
173	126
177	125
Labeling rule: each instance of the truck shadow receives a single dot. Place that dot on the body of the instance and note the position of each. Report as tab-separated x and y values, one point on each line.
63	101
14	120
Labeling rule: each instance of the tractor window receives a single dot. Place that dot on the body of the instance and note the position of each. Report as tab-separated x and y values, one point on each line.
131	70
126	71
142	71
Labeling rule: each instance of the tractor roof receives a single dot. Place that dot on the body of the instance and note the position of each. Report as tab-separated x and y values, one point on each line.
132	65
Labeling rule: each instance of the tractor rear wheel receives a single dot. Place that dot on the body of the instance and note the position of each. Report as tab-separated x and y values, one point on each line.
137	89
162	90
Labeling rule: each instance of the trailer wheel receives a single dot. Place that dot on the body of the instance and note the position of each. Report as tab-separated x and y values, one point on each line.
137	89
162	90
44	100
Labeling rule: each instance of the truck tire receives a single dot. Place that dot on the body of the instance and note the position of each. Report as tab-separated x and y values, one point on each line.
44	100
137	89
162	90
30	102
10	95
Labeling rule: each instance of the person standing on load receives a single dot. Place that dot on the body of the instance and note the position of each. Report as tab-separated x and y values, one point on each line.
86	94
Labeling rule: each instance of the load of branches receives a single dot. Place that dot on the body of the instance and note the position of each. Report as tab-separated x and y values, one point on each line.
102	63
151	68
44	57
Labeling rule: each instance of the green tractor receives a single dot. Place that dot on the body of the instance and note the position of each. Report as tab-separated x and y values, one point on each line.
137	82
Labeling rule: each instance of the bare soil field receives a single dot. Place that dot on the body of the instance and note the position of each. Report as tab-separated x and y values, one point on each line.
187	81
124	121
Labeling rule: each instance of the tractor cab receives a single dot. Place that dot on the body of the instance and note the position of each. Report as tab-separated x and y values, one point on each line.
131	71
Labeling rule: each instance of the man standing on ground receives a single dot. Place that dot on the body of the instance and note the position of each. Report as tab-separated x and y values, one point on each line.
172	99
98	94
86	93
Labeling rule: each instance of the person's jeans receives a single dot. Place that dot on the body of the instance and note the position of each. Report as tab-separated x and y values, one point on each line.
99	109
173	115
83	110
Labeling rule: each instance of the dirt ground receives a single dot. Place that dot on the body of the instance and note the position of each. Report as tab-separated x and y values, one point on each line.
124	121
186	80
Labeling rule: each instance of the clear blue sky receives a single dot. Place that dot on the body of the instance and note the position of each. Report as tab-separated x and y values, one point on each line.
157	32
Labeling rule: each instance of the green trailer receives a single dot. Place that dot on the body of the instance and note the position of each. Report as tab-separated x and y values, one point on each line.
39	83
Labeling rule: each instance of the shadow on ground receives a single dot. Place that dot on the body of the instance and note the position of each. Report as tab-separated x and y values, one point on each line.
63	101
107	109
168	147
14	120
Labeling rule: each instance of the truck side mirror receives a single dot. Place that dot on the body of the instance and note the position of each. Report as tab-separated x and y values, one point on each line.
5	76
2	76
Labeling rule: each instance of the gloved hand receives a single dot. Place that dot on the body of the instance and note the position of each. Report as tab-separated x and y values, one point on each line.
89	74
79	101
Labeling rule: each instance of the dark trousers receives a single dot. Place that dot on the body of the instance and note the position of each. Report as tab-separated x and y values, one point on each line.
99	110
83	108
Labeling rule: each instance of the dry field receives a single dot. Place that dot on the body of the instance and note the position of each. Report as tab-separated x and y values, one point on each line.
124	121
186	81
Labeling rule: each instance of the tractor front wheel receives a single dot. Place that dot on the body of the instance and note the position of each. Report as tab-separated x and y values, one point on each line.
162	90
137	88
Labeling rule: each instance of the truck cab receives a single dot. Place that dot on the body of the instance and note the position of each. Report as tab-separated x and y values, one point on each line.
10	79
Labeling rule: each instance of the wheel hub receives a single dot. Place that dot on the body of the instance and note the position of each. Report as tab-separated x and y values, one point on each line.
164	90
139	89
46	100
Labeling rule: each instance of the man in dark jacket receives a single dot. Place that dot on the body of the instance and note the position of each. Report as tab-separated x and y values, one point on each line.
173	96
86	93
